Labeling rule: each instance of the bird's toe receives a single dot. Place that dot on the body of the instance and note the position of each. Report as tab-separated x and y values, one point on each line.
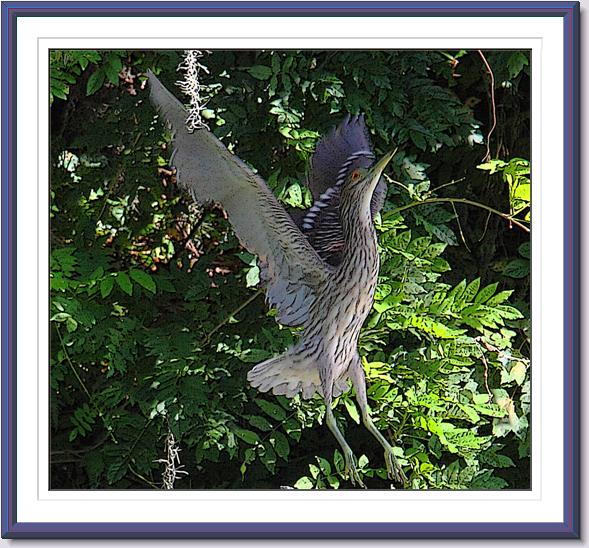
395	472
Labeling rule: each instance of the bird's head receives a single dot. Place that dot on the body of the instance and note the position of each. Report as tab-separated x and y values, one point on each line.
364	180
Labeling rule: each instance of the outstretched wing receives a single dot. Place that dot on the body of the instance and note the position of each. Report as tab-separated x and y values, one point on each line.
344	149
290	267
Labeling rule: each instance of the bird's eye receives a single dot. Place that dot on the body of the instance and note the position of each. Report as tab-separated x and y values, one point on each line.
355	175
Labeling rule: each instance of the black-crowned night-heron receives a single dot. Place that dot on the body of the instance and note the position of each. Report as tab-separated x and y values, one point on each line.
321	275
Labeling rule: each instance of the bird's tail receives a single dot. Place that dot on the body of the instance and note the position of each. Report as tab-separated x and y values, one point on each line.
289	374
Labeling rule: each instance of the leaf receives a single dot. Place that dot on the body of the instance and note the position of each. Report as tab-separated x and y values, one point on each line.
281	445
259	422
518	268
252	277
418	139
260	72
432	327
275	411
106	286
293	429
246	435
469	293
125	283
524	250
60	317
112	68
315	471
352	410
304	483
95	82
516	62
143	279
499	298
509	312
486	293
268	458
71	325
442	232
518	372
496	460
116	471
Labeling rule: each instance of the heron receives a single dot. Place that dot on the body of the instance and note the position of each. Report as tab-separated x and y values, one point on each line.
319	274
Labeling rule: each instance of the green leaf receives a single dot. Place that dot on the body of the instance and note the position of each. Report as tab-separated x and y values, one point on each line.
246	435
275	411
469	293
304	483
125	283
524	250
260	72
518	268
116	471
268	458
518	372
252	278
60	317
143	279
71	325
281	445
95	82
259	422
293	428
106	286
509	312
418	139
486	293
352	410
516	62
499	298
113	67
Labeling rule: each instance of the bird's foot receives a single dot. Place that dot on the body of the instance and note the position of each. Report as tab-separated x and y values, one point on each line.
395	472
351	470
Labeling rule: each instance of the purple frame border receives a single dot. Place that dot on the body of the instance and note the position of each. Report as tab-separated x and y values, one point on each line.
568	528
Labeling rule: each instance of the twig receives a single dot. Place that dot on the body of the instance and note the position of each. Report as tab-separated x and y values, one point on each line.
452	182
86	391
391	180
207	338
462	201
493	111
460	228
486	227
142	478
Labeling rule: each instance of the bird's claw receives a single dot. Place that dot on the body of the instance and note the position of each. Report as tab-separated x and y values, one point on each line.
351	471
395	472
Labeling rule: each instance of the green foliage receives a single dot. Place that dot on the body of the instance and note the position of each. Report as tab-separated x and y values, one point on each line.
516	174
155	312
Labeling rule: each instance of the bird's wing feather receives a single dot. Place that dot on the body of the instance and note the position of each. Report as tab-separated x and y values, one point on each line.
344	149
290	267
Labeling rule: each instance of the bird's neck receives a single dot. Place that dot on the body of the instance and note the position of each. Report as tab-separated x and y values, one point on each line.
358	227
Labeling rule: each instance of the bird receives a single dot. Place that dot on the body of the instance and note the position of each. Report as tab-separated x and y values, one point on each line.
319	274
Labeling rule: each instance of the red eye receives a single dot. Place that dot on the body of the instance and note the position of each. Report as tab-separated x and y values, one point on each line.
355	175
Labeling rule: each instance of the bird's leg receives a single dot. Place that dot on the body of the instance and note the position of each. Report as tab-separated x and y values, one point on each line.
326	376
394	469
350	461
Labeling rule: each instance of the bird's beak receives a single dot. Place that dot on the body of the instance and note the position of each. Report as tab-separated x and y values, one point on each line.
381	164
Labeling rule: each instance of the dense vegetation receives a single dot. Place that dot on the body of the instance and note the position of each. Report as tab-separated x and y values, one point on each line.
155	312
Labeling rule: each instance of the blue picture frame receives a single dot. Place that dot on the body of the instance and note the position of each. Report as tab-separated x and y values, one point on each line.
569	527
